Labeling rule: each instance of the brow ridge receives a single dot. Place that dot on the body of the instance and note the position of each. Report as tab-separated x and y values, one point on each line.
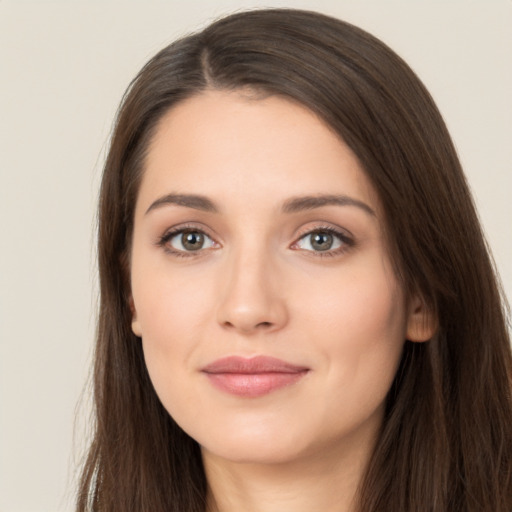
292	205
197	202
298	204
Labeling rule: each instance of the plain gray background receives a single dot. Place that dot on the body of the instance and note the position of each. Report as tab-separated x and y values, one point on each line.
64	66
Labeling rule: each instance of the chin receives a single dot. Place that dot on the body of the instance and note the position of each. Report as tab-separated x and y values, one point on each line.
254	451
265	443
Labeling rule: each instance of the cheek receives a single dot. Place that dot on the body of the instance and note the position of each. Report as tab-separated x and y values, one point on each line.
176	312
169	303
171	315
359	328
171	327
169	312
364	303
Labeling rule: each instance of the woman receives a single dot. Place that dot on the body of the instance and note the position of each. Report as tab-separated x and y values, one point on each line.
298	310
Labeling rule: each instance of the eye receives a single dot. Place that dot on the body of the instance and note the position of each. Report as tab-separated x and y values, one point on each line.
323	241
187	240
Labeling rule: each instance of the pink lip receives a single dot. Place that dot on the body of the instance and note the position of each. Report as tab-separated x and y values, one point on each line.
252	377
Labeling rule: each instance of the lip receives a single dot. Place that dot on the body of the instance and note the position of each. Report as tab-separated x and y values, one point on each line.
252	377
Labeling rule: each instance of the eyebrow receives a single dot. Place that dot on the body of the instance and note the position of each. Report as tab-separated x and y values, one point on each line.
196	202
293	205
298	204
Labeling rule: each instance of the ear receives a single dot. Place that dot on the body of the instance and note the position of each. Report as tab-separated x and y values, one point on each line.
135	323
421	321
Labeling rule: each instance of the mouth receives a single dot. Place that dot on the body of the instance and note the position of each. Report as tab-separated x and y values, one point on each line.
252	377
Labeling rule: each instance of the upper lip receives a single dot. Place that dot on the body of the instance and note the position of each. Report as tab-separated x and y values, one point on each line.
253	365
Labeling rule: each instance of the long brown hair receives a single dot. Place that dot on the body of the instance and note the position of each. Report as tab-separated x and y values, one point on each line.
446	441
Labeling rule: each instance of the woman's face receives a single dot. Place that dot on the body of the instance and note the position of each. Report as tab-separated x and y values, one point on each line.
271	320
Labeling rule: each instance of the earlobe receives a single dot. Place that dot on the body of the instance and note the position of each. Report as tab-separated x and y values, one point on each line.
421	321
135	323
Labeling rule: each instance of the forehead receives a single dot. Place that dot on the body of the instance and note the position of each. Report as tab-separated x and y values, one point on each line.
231	145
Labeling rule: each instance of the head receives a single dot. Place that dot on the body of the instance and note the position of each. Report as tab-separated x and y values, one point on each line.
371	100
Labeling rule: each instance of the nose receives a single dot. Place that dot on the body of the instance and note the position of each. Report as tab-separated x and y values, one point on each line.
252	298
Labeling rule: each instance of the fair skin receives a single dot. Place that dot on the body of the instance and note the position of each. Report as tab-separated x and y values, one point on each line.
250	268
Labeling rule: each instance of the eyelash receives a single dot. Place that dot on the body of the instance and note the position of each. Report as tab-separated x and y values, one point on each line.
164	240
347	242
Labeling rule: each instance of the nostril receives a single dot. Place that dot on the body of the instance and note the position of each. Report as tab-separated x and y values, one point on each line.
248	327
264	324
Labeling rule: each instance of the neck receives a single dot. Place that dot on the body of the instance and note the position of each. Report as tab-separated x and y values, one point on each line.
326	482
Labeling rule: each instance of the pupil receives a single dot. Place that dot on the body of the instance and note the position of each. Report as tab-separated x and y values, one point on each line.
322	241
192	240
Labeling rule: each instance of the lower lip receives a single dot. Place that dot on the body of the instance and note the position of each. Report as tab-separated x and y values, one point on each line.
252	385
